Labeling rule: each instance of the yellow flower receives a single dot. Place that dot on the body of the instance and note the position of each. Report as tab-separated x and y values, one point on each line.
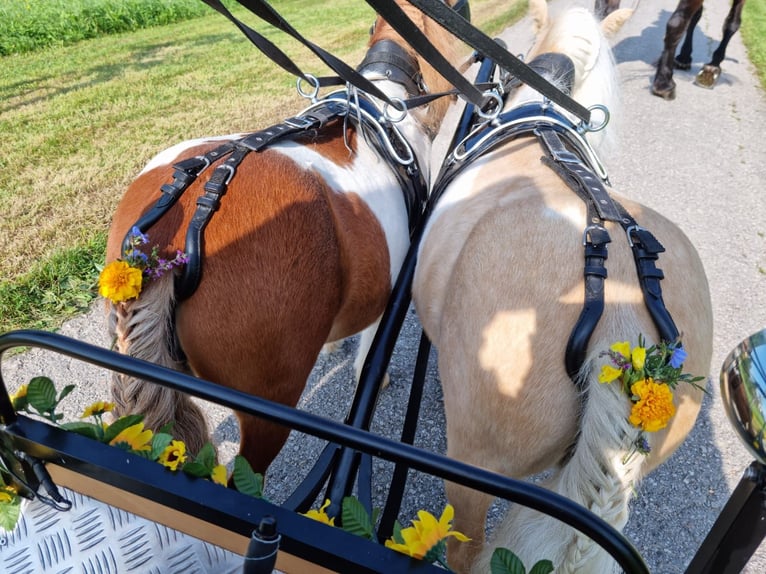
135	437
20	393
609	373
173	455
97	408
321	514
6	496
654	407
623	348
638	357
219	475
119	281
426	533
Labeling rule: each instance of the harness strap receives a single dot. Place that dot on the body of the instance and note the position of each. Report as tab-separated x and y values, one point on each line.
185	173
207	204
644	246
389	60
409	175
455	24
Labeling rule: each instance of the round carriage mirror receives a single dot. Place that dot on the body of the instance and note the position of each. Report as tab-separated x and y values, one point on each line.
743	389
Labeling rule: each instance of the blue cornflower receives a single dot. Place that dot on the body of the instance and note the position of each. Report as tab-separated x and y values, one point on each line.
677	357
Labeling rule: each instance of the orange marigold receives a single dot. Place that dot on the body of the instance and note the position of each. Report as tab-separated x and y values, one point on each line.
654	407
120	282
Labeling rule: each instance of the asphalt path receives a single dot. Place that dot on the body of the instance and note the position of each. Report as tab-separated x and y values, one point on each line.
699	160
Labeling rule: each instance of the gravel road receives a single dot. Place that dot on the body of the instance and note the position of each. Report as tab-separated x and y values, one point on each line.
699	160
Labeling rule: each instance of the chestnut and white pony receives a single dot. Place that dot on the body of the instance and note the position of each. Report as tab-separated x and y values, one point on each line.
498	288
304	250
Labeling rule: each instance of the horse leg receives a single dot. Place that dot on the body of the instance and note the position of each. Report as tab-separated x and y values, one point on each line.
712	70
683	60
663	84
365	344
470	517
605	7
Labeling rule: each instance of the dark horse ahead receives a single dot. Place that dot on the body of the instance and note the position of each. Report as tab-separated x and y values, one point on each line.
683	21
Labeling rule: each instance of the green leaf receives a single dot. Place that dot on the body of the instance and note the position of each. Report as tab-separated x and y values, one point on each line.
167	428
160	442
120	425
41	394
90	430
542	567
64	392
245	479
505	562
197	470
9	514
206	457
436	552
397	534
356	519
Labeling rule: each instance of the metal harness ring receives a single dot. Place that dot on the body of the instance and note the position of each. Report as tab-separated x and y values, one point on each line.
312	95
395	102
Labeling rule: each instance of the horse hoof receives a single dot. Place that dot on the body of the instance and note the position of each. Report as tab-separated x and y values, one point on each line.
708	76
681	65
664	93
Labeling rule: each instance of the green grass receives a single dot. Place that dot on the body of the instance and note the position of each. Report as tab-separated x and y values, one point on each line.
754	35
28	25
62	285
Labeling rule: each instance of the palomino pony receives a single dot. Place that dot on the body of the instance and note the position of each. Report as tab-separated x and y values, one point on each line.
685	19
499	287
302	250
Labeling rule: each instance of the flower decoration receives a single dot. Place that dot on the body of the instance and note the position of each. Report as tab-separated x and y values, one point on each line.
19	398
123	279
40	398
321	514
135	438
219	475
648	377
173	455
97	409
426	538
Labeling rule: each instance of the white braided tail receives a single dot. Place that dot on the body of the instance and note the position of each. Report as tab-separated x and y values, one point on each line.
143	328
597	476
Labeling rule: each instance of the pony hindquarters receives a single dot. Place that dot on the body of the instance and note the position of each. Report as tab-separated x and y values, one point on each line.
287	261
499	288
511	296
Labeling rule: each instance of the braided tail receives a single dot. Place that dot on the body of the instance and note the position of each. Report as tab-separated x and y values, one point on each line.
143	328
599	476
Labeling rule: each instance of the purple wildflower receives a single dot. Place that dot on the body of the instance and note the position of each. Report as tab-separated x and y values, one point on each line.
677	357
642	445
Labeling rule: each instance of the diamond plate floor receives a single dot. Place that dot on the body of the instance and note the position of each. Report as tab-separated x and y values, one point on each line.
94	538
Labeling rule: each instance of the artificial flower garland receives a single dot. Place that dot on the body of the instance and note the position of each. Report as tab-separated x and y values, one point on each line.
128	433
123	279
424	540
648	377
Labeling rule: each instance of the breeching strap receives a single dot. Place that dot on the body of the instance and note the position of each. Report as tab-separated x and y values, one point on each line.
645	248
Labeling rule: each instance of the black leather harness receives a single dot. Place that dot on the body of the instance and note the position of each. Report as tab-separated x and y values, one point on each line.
570	155
358	108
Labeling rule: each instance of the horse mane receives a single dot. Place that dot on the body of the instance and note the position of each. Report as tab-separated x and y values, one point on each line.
575	31
442	40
